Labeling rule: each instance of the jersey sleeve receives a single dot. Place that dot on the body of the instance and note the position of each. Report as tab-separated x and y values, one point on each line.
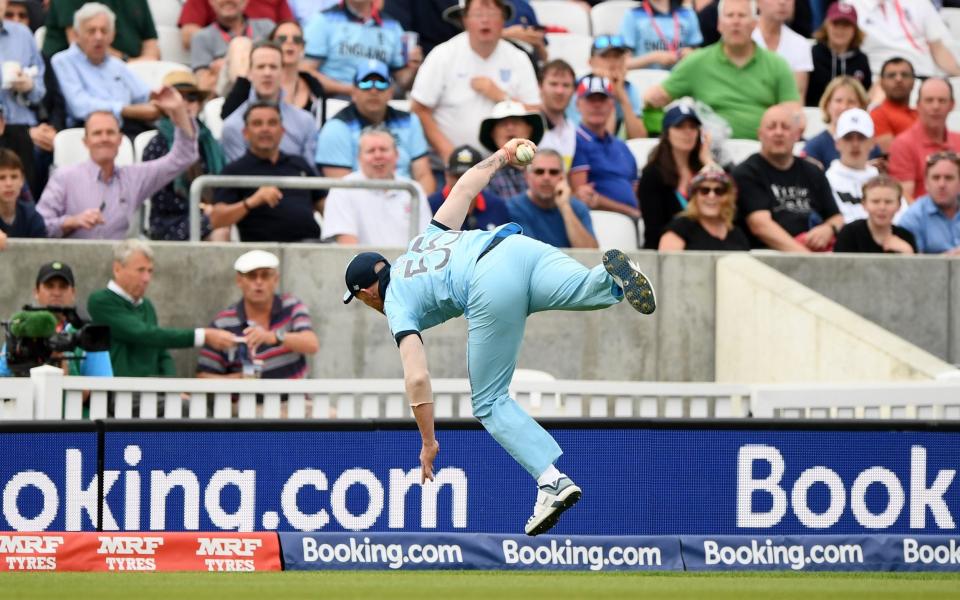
690	28
317	39
428	84
335	145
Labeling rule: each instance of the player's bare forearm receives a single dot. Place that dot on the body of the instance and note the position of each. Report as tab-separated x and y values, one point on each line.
454	209
423	413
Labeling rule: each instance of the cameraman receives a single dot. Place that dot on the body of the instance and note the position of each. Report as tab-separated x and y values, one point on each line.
55	287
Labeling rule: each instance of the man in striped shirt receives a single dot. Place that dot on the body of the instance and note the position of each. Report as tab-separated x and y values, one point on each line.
273	331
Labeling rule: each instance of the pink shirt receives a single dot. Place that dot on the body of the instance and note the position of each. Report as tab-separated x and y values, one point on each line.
75	188
909	152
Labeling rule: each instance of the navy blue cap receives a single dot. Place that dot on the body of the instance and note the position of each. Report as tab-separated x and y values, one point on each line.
360	273
372	67
679	114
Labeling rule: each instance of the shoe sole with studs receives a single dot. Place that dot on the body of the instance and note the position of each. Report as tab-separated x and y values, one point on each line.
637	289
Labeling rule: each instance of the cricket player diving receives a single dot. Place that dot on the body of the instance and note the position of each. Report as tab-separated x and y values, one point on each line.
495	279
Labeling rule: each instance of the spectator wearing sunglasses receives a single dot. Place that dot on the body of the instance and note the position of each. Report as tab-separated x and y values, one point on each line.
339	140
661	32
487	211
707	221
170	206
608	59
910	149
300	87
547	211
934	219
222	45
342	38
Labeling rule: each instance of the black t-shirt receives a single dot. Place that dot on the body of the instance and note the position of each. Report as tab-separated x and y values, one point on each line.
658	204
27	222
289	221
698	238
796	198
855	237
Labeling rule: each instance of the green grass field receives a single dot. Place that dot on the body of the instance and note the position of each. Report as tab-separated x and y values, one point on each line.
466	585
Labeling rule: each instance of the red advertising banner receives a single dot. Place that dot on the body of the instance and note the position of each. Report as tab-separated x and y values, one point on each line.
144	551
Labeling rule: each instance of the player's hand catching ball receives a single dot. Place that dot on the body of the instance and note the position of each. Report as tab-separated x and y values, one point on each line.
520	151
427	455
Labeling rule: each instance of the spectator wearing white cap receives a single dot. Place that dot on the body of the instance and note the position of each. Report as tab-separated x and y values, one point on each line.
274	331
510	120
847	174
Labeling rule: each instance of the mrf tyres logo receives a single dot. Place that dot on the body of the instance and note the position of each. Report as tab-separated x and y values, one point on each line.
79	500
30	552
924	494
229	554
129	552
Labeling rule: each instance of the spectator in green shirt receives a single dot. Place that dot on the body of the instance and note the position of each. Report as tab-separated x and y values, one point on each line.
138	346
734	77
136	35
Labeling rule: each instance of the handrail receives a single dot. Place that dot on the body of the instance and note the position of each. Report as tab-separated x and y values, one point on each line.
297	183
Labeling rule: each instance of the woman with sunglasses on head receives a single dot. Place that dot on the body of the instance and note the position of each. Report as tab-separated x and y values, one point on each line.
681	153
877	233
661	32
300	88
170	207
707	222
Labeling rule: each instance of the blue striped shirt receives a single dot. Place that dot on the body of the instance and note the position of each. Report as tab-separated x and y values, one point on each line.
17	44
89	88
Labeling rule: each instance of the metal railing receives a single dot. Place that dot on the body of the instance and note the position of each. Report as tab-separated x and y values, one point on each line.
297	183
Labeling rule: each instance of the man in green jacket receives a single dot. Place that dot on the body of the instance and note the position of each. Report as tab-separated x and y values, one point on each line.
138	345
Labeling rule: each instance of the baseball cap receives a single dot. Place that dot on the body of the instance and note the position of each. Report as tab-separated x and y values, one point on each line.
55	269
605	43
678	114
360	273
256	259
854	120
842	12
462	158
593	84
372	67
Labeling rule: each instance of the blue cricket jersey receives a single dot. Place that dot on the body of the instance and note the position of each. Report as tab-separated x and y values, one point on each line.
430	283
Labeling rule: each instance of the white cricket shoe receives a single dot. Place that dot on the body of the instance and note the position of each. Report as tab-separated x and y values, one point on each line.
552	500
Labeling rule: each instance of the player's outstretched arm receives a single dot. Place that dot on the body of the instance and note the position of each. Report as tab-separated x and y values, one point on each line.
453	211
416	379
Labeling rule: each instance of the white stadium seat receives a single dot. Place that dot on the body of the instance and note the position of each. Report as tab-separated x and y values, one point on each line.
641	148
606	17
739	150
815	122
171	44
571	47
641	79
141	142
40	35
562	13
953	121
211	116
152	72
403	105
333	106
614	230
165	12
68	149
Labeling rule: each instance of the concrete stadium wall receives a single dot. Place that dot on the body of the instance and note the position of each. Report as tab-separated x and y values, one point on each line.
913	297
771	329
192	282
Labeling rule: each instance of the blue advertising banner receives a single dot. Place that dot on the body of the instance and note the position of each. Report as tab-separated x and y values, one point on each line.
638	479
394	551
49	481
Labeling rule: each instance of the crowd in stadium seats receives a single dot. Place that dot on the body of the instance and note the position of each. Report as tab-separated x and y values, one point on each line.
449	81
673	124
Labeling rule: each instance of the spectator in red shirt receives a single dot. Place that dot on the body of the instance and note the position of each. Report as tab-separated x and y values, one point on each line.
894	115
197	14
910	149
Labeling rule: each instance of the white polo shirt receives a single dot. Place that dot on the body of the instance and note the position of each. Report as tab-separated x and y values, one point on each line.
794	48
375	217
443	84
887	35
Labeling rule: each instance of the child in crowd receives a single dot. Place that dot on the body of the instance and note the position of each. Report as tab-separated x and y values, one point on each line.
18	217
